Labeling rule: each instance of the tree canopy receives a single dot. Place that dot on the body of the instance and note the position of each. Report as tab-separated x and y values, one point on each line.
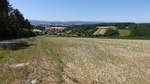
12	22
140	29
82	30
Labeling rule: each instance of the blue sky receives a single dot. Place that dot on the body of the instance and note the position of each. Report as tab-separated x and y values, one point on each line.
85	10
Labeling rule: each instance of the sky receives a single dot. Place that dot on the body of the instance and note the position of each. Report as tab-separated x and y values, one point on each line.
85	10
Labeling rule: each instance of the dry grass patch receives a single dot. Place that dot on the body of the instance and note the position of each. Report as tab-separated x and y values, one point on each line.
124	32
33	64
77	61
104	61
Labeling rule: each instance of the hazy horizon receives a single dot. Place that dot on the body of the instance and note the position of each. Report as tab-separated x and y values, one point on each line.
85	10
32	20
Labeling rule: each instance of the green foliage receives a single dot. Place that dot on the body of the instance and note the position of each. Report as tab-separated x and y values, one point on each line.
82	30
38	27
140	29
88	30
111	32
4	8
118	25
12	22
122	25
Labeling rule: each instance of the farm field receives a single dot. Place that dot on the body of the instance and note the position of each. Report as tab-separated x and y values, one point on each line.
64	60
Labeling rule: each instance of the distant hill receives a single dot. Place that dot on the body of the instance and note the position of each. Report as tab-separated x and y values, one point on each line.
63	22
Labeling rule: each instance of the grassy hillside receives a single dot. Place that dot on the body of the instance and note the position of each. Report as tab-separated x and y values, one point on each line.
124	32
59	60
30	61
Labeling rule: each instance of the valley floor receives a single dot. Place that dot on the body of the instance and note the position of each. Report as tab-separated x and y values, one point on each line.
62	60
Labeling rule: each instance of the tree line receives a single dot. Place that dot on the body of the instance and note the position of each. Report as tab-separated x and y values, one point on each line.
140	29
88	30
81	30
12	22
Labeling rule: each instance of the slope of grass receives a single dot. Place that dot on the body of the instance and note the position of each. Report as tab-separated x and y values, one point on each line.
104	61
107	37
44	64
59	60
124	32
